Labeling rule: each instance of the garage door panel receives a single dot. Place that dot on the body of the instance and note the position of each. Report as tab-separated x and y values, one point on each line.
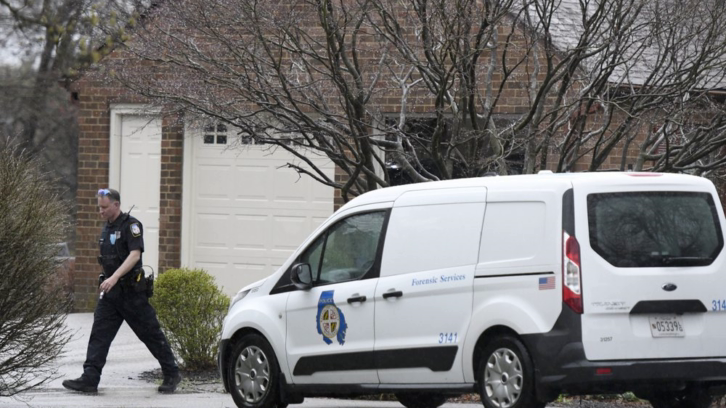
212	231
230	280
227	274
210	266
251	232
321	194
221	204
249	212
287	231
252	182
246	253
229	277
228	255
288	187
212	182
317	221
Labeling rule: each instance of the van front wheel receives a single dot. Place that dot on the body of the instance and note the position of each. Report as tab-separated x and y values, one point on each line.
253	376
506	375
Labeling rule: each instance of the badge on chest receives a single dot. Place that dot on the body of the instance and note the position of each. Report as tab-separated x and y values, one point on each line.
114	236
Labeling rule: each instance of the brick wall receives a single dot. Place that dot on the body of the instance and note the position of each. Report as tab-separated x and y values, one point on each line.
95	97
172	154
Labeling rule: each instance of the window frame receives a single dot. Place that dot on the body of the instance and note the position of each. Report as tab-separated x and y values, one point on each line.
592	223
284	284
218	132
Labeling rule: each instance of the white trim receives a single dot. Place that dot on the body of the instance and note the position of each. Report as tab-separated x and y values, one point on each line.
187	231
114	154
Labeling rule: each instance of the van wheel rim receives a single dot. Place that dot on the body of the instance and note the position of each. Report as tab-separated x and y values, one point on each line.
503	378
252	374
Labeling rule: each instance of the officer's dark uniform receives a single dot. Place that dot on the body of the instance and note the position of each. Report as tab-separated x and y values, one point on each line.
127	301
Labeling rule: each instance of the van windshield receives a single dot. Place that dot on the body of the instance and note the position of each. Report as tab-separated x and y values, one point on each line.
654	229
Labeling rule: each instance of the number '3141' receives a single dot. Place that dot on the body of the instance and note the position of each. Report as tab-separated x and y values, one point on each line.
718	305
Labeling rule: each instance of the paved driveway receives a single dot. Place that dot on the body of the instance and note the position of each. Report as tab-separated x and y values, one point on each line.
121	385
137	397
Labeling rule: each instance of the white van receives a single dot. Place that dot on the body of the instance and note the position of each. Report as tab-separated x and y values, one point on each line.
519	288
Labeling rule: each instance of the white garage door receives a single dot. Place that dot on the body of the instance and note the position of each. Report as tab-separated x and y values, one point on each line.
247	215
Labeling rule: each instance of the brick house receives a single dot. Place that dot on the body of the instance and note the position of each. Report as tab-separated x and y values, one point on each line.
147	156
234	212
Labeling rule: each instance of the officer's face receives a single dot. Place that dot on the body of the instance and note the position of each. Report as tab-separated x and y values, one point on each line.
109	209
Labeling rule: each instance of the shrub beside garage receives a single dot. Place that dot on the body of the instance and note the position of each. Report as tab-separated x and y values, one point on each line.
191	309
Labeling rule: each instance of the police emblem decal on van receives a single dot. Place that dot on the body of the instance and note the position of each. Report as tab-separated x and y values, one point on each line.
330	319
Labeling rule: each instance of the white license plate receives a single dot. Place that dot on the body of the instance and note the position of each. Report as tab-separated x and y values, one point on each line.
667	326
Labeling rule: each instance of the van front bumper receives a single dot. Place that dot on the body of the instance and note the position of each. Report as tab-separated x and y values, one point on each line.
221	358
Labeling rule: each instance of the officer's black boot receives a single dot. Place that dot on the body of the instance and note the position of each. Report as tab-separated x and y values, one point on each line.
170	383
80	384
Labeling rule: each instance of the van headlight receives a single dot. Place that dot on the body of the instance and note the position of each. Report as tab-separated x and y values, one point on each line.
239	296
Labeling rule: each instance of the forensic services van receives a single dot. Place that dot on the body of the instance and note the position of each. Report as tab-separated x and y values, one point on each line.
518	287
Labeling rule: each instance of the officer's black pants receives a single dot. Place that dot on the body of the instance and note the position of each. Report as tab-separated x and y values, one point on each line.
133	307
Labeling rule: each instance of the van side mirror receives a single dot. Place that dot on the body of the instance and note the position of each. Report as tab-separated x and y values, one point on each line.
302	276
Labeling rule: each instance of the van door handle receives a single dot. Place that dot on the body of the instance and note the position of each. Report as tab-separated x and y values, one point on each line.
356	299
397	294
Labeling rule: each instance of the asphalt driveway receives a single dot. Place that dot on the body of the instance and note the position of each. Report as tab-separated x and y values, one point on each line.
123	385
125	382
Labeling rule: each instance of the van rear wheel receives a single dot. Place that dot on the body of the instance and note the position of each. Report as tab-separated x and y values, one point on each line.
421	399
691	397
506	375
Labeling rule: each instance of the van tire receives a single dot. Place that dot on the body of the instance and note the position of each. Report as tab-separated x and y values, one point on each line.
505	359
421	399
253	375
691	397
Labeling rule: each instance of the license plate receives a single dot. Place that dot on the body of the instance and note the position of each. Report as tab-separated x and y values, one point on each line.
666	326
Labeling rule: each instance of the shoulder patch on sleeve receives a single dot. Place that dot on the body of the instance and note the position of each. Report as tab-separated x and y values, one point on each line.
135	230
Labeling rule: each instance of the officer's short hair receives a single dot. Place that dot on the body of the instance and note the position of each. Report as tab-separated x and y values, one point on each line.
114	195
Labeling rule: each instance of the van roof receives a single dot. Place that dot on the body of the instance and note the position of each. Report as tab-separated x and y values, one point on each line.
530	181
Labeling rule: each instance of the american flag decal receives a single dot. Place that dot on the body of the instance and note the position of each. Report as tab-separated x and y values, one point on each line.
547	283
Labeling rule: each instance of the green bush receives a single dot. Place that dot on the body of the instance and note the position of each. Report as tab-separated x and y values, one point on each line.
191	309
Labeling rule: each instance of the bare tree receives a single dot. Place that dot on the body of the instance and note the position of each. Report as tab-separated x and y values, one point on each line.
44	44
444	89
51	119
41	41
33	307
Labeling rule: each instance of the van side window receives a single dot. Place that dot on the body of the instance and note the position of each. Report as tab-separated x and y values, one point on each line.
348	250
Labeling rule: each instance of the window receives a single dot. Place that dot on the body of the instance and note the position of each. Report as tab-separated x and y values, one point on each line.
347	251
420	132
215	134
654	229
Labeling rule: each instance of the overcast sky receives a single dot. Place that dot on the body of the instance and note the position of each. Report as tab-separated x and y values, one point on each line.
13	48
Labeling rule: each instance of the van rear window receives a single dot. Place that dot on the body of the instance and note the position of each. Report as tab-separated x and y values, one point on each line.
654	229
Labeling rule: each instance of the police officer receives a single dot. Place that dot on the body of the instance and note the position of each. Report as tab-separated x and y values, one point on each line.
123	297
